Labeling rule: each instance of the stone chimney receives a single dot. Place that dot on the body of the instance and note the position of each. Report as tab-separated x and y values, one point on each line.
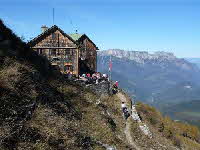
44	28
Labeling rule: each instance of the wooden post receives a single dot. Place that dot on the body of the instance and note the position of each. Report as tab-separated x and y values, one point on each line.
77	62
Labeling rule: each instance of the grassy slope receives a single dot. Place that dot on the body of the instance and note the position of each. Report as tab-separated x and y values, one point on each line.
66	117
182	135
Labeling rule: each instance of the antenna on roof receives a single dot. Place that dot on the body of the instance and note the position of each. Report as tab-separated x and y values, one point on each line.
53	16
72	23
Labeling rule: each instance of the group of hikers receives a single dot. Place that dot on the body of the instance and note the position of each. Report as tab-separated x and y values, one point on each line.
97	78
94	78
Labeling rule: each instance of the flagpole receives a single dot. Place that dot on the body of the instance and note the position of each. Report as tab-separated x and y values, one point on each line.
110	68
110	74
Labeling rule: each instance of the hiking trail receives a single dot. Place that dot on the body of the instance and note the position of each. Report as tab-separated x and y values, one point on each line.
127	128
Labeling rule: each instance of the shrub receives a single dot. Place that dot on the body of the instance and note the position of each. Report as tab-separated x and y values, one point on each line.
177	141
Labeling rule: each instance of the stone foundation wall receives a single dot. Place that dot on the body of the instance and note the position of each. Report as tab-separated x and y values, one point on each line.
100	88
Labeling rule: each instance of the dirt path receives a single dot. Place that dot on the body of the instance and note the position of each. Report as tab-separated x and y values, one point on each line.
129	137
121	97
127	128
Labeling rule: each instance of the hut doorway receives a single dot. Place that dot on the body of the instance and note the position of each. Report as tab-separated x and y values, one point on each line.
84	68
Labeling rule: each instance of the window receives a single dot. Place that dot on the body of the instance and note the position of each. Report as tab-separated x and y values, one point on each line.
53	36
71	51
68	68
62	43
67	52
55	59
53	52
38	51
71	68
58	52
41	51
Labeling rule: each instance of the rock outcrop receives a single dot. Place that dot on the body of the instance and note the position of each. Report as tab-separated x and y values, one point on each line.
138	56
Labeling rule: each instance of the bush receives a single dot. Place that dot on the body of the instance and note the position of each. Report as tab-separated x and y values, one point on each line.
148	113
177	141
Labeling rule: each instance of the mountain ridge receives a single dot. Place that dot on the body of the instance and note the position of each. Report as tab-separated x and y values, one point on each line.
195	61
142	57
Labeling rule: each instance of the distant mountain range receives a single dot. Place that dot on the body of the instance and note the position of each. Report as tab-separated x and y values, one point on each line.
153	78
194	61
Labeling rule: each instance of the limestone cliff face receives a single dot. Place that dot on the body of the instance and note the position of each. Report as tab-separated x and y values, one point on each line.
143	57
138	56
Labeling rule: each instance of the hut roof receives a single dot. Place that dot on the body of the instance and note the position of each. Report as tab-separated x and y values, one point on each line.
47	33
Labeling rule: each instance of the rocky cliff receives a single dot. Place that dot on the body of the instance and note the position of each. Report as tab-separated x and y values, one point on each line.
142	57
138	56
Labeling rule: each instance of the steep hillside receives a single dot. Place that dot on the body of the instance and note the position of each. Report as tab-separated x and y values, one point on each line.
41	110
182	135
147	76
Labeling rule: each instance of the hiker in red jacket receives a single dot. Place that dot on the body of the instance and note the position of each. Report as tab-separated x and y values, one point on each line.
88	75
115	87
116	84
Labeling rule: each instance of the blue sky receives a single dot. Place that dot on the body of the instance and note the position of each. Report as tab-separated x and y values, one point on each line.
143	25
